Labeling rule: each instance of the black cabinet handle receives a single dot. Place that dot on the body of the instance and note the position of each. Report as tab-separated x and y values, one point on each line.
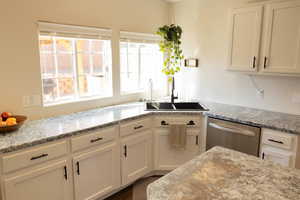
125	150
265	62
96	140
38	157
191	123
78	168
66	173
164	123
263	156
138	127
254	62
279	142
197	140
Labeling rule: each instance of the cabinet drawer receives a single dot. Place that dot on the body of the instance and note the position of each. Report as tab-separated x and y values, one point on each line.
33	156
128	128
94	137
278	139
165	121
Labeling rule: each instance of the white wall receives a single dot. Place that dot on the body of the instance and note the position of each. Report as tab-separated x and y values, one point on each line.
205	26
19	56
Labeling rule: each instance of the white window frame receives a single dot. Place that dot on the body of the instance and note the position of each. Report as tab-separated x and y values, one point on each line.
138	38
71	33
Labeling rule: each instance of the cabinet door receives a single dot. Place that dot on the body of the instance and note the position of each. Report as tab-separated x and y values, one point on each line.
282	40
97	172
168	157
136	156
244	38
277	156
46	183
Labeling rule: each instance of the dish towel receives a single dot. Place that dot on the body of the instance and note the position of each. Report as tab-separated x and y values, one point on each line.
177	136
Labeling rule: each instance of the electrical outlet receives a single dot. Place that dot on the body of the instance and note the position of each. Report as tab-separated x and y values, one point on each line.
296	98
261	93
32	100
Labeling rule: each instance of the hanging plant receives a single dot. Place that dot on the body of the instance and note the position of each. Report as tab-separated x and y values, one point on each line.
170	46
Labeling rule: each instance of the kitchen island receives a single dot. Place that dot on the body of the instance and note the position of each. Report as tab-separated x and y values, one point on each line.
223	174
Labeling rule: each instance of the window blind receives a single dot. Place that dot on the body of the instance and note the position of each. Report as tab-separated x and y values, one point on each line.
138	37
46	28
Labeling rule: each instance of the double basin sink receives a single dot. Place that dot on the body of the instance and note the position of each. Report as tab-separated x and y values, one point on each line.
181	106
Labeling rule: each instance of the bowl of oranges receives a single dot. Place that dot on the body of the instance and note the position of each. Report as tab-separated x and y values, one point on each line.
9	122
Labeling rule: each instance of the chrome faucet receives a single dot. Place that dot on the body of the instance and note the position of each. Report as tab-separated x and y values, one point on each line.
173	97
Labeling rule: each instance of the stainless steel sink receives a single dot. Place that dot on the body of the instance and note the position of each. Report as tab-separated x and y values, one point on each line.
181	106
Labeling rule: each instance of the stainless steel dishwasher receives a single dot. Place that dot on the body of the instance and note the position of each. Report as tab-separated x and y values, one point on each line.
234	136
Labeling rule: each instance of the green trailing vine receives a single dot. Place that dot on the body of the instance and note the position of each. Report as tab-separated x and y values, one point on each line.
170	46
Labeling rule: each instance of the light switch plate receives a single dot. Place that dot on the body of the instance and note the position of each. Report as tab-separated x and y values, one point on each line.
31	100
296	98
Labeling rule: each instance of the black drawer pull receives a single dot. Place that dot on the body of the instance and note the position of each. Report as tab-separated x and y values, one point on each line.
66	173
138	127
254	62
78	168
38	157
191	123
197	140
96	140
265	62
125	151
164	123
279	142
263	156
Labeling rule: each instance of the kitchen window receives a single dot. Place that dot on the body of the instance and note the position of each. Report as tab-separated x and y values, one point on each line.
140	62
75	63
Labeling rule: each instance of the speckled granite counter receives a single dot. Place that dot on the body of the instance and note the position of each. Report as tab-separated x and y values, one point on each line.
255	117
45	130
222	174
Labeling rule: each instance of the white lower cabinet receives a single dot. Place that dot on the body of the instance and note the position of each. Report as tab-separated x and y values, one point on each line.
280	148
47	183
96	172
168	157
282	157
136	156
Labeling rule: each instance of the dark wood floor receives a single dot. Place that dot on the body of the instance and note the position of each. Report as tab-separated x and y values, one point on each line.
137	191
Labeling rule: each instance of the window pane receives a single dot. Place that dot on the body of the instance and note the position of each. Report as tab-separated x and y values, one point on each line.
63	45
46	44
49	90
83	46
140	62
70	73
47	65
65	64
66	88
98	45
97	63
90	85
83	62
129	67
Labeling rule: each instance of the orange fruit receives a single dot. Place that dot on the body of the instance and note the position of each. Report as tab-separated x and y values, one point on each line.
11	121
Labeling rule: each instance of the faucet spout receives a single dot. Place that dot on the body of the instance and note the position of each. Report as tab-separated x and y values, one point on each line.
173	97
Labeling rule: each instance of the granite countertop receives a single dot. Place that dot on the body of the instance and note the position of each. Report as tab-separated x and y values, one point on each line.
261	118
223	174
45	130
50	129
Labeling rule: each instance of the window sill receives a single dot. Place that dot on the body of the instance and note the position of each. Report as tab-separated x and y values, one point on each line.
141	91
77	100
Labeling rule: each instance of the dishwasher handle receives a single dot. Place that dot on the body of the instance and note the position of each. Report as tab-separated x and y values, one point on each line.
232	129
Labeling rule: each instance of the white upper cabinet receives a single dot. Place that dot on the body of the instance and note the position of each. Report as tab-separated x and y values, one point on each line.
282	40
244	38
